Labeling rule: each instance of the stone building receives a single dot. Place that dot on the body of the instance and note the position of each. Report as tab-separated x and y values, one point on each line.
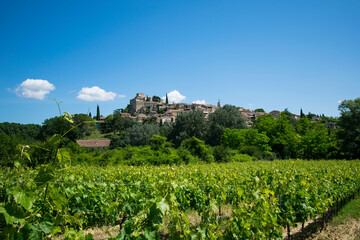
143	104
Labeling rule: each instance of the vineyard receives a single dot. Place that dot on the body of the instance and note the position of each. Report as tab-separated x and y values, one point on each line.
252	200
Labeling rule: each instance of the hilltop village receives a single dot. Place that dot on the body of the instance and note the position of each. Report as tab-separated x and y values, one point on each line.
142	107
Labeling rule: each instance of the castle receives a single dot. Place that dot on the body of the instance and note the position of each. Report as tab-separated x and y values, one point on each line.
143	106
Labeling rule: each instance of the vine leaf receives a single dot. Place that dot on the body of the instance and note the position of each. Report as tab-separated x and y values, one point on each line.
46	174
63	155
26	199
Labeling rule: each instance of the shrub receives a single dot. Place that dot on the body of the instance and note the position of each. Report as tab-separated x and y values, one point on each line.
222	154
241	158
197	148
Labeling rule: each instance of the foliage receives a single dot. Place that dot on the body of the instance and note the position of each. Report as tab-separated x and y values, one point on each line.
197	148
27	132
239	157
150	120
161	110
315	142
226	117
158	143
126	109
138	135
349	123
283	136
259	110
151	201
57	125
85	125
117	123
190	124
8	149
290	117
223	154
156	99
242	139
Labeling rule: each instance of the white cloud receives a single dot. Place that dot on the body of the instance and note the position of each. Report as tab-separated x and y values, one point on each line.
199	102
340	101
34	88
174	97
95	94
121	96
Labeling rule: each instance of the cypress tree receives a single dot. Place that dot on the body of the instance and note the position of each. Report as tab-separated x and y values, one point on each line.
301	113
97	113
167	99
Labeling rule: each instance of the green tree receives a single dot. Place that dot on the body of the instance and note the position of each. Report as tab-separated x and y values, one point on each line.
315	142
120	123
259	110
57	125
226	117
150	120
158	143
197	148
139	134
245	138
349	132
189	124
8	148
97	113
290	117
167	99
311	116
108	124
156	99
301	113
28	132
126	110
283	136
86	125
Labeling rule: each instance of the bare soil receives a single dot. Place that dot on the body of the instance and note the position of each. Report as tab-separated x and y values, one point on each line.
349	230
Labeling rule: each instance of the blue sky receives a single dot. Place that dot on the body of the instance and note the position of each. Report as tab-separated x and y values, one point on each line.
252	54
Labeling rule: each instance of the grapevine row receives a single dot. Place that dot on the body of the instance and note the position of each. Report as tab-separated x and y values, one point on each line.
232	201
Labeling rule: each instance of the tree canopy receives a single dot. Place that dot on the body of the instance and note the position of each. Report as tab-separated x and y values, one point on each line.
349	122
190	124
228	116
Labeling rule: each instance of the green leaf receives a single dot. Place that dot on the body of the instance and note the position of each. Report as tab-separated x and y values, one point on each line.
59	199
10	218
68	117
212	205
46	174
45	227
163	206
151	235
63	155
30	231
13	210
54	138
126	231
24	198
155	215
36	235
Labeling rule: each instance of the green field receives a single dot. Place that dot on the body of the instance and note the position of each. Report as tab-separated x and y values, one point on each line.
205	201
